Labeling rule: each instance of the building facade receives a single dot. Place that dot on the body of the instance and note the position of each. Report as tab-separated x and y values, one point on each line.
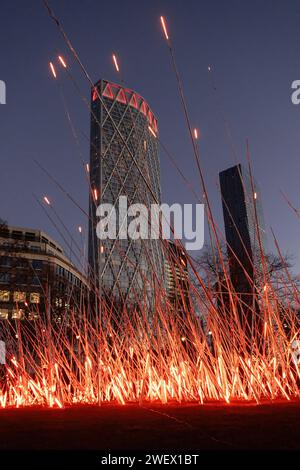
124	161
244	225
36	278
177	277
245	237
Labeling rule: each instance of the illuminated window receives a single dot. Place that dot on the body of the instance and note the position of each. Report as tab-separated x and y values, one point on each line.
121	96
108	92
95	95
17	314
19	296
33	316
3	314
34	298
133	101
4	295
58	302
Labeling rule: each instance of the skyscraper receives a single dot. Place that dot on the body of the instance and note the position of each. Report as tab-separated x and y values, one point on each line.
177	277
245	236
244	225
124	161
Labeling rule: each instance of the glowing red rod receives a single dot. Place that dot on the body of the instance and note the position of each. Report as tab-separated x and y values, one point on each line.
115	60
62	61
47	200
52	69
164	27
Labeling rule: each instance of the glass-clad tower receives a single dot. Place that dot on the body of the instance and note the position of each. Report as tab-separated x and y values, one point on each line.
242	224
124	161
245	236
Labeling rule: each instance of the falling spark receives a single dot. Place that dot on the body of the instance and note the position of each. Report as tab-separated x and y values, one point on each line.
79	229
116	62
87	167
196	134
102	249
255	195
52	69
62	61
152	131
209	68
47	200
95	194
163	23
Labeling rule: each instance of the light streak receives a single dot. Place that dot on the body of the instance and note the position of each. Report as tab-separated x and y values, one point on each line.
164	27
138	364
152	131
52	68
116	62
196	134
62	61
46	200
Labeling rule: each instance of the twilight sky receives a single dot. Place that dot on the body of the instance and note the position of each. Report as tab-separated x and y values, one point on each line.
252	47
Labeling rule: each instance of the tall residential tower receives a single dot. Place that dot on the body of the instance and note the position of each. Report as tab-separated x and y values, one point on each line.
124	161
245	233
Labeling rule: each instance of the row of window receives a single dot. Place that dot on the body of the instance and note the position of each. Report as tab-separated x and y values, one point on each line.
8	261
6	278
17	314
60	271
33	297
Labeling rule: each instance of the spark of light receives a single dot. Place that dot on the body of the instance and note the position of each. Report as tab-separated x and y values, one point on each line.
62	61
79	229
196	134
95	192
52	69
87	167
115	60
47	201
152	131
164	27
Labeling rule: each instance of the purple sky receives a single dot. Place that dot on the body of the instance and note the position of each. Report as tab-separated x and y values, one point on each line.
252	47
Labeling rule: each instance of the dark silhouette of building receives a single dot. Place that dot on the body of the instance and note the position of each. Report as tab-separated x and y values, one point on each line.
124	161
245	236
